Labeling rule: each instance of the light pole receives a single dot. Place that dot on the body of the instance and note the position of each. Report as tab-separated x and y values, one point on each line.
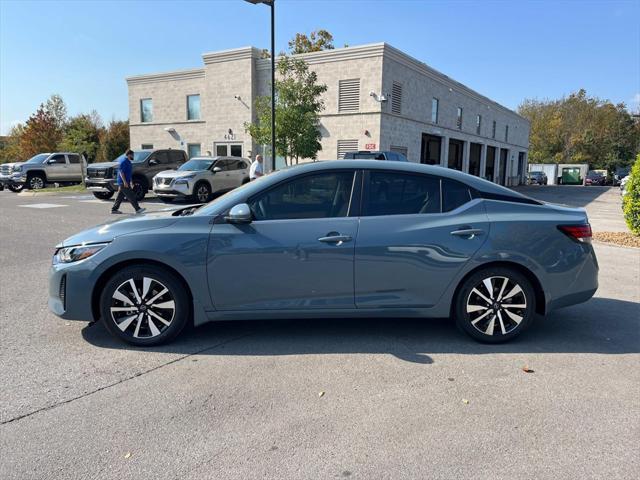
271	4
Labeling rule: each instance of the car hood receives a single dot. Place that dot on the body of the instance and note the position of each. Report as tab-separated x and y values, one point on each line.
177	174
123	226
102	165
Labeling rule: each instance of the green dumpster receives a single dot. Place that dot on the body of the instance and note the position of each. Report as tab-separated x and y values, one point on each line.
571	176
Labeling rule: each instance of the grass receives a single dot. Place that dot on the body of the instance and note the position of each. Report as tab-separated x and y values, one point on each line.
69	188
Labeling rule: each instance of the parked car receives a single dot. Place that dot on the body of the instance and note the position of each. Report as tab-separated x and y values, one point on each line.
620	174
101	177
332	239
201	177
623	185
65	168
537	178
378	155
595	178
6	172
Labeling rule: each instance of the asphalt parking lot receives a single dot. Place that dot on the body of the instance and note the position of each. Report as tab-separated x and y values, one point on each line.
368	399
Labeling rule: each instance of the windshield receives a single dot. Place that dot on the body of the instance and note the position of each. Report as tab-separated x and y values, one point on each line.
594	174
196	164
41	157
139	156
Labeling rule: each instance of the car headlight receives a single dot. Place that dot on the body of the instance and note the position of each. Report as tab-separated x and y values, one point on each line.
76	253
184	180
17	168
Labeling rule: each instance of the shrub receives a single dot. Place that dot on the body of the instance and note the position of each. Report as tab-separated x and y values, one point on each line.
631	201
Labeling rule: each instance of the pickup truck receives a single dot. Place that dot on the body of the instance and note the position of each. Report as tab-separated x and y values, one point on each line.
101	177
6	171
44	168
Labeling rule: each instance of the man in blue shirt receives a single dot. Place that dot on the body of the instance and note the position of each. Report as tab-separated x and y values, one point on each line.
124	181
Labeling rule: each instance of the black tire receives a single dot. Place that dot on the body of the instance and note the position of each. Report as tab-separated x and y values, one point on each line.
16	188
492	319
103	195
166	199
201	192
245	180
151	331
140	187
36	181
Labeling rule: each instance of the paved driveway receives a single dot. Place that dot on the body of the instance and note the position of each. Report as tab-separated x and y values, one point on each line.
402	398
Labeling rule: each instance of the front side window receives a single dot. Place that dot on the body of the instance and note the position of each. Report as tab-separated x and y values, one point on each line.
459	118
146	110
323	195
454	195
394	193
435	103
193	107
58	159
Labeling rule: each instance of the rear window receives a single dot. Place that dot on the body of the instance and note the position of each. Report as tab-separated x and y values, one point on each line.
454	194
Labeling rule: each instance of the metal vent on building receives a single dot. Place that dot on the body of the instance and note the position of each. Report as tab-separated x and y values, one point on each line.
345	146
396	98
349	95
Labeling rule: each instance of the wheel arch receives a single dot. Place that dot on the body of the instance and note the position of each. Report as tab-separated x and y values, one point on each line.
37	172
108	273
535	282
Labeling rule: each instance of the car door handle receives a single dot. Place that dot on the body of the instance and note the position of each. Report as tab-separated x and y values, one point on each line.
467	232
335	238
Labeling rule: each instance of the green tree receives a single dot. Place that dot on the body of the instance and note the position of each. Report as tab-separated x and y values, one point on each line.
581	129
631	201
12	151
41	133
314	42
82	134
56	107
115	140
298	105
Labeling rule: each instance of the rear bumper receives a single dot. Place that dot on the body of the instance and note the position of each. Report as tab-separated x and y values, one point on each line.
582	288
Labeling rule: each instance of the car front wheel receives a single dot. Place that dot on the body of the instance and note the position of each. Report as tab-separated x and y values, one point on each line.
202	192
144	305
495	304
36	181
103	195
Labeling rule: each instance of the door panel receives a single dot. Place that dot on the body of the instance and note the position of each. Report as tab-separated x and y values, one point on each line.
282	264
58	171
409	260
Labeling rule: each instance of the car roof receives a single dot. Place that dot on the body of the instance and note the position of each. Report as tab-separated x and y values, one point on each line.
477	183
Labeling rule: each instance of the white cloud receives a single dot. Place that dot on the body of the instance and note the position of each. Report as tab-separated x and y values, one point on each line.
635	100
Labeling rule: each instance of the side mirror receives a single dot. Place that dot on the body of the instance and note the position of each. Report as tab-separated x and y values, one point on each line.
51	161
153	161
239	214
216	170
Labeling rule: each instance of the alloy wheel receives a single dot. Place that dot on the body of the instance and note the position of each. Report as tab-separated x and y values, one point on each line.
202	193
142	307
496	306
36	183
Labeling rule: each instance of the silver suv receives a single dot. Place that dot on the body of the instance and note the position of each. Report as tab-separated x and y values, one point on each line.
201	177
44	168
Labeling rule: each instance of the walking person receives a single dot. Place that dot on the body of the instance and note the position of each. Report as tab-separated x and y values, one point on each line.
124	181
256	168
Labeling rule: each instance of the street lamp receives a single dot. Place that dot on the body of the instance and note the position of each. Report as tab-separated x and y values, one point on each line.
271	3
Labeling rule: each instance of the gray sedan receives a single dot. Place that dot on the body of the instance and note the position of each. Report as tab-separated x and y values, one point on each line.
332	239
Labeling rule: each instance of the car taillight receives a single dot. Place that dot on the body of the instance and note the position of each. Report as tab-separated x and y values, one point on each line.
579	233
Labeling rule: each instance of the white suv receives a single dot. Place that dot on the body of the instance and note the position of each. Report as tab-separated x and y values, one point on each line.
201	177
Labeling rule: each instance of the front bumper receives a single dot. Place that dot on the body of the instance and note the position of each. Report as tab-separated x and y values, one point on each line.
13	180
101	185
70	287
172	191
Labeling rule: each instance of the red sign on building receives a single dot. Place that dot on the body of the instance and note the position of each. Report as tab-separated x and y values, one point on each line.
370	146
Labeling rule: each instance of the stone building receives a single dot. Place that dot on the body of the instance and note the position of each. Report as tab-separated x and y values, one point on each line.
378	98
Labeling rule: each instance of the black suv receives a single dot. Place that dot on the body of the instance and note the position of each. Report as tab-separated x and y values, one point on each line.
101	177
377	155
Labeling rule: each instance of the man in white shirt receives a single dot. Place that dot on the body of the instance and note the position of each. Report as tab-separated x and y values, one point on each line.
256	168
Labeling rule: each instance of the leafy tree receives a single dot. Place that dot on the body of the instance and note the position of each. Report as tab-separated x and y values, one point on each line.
41	133
12	151
56	107
82	135
581	129
298	105
631	201
315	42
115	140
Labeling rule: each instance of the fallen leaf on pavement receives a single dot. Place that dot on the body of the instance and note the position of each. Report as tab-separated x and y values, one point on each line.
465	401
127	455
321	394
527	369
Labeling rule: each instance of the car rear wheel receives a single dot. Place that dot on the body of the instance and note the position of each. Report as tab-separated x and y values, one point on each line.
144	305
139	187
494	305
103	195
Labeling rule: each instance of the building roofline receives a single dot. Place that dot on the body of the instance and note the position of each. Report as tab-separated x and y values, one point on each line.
242	53
166	76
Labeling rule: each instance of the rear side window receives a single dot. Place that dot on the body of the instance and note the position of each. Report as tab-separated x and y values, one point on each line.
394	193
454	194
74	158
162	157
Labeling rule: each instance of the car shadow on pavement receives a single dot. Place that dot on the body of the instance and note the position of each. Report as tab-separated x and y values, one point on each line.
602	325
571	195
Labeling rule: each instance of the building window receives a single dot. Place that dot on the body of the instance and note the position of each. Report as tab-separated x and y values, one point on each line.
506	133
193	149
434	110
193	107
349	95
396	99
345	146
493	130
478	124
147	146
146	110
459	118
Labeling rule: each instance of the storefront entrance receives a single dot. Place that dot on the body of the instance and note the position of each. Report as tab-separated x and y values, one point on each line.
430	151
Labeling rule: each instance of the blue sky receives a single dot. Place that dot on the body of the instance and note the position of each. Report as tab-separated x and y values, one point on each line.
506	50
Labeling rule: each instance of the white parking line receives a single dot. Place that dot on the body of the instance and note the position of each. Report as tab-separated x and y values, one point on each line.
43	205
93	201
